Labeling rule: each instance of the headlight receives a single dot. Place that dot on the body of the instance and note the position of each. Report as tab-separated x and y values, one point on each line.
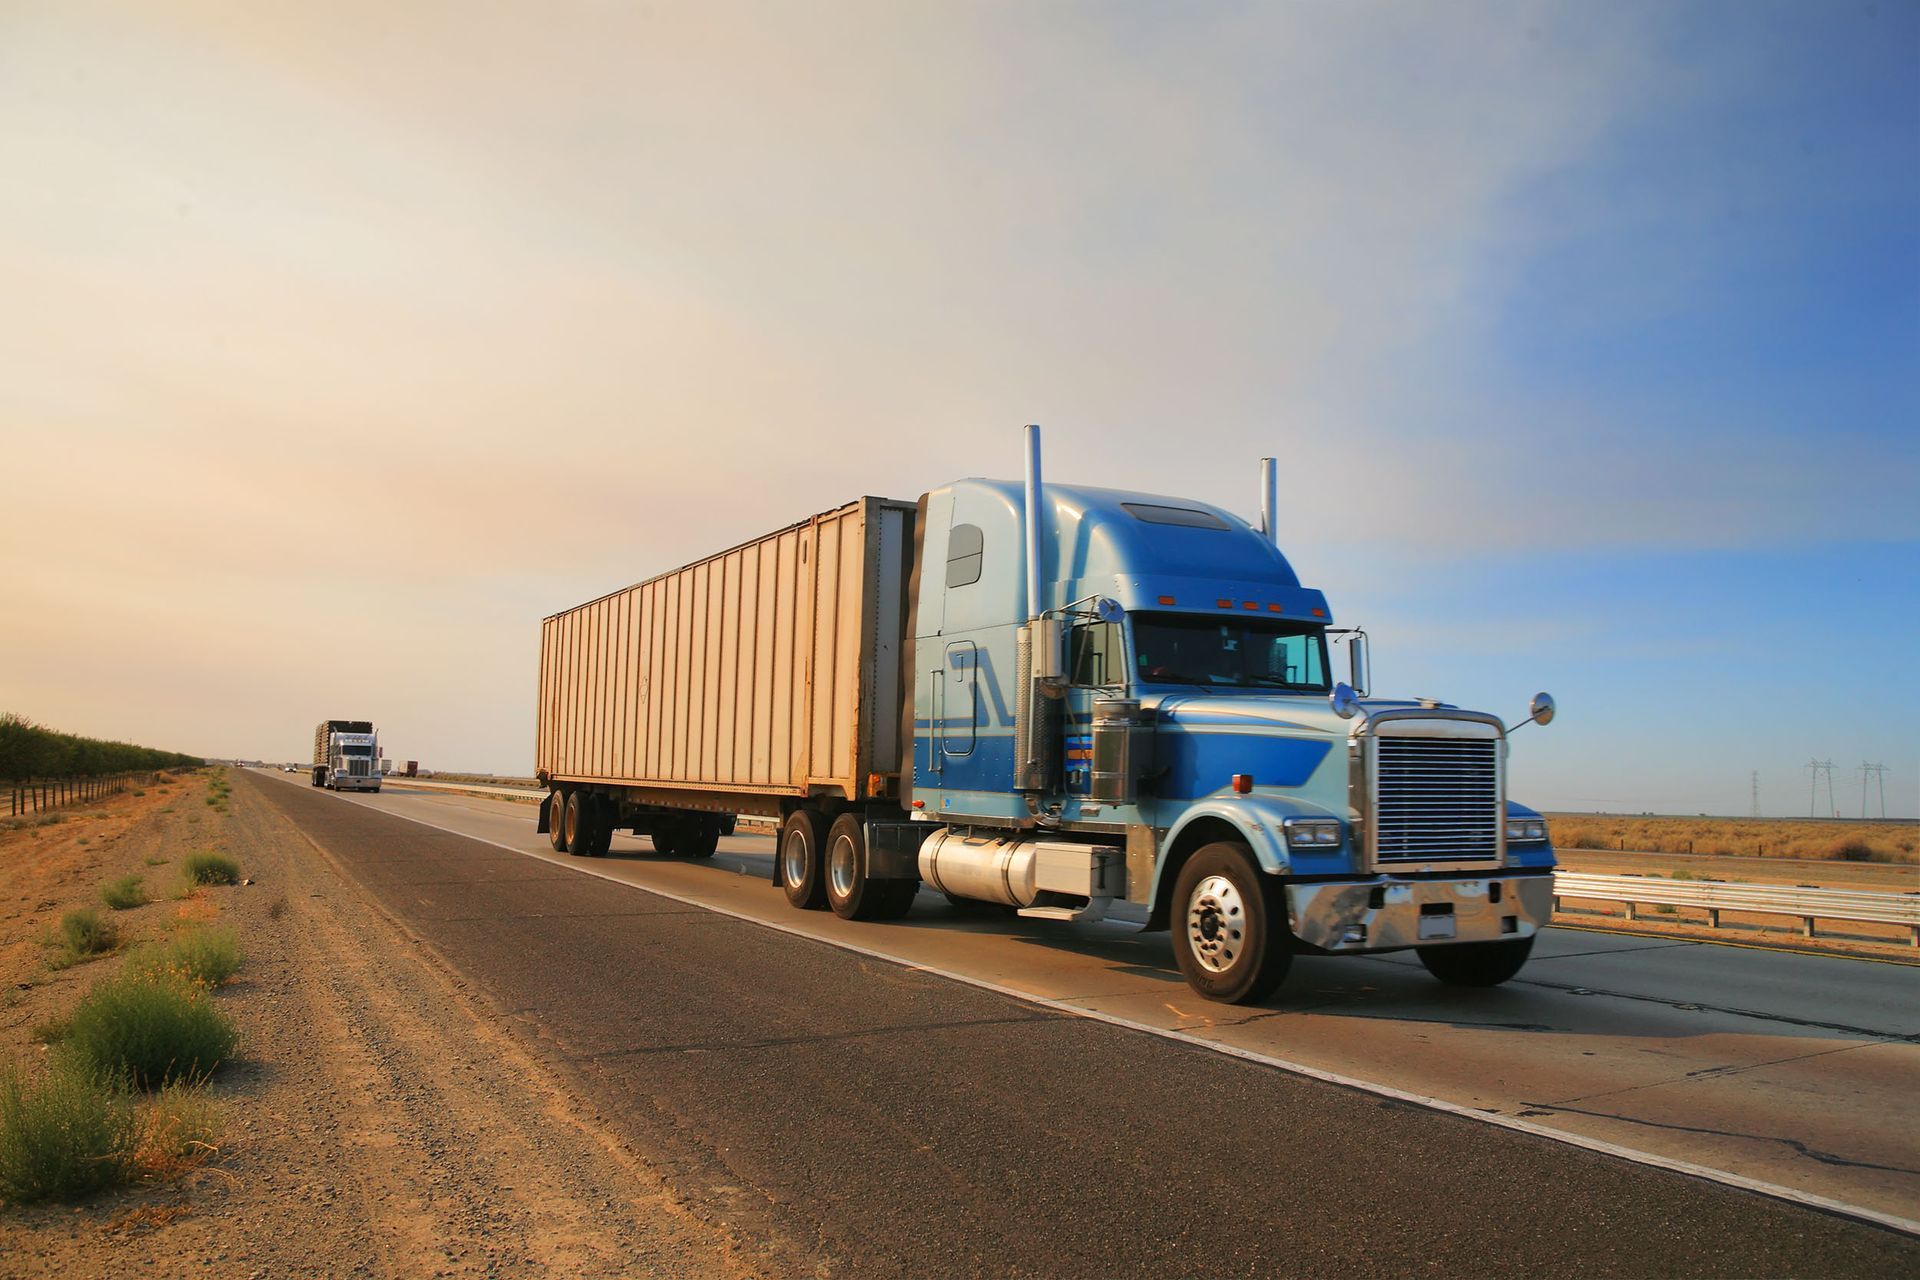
1318	833
1526	831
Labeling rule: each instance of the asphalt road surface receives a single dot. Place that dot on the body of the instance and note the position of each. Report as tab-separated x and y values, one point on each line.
878	1119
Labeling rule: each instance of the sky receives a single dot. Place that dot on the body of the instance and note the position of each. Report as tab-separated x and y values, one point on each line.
339	344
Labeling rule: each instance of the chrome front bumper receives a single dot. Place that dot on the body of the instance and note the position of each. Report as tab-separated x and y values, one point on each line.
1384	913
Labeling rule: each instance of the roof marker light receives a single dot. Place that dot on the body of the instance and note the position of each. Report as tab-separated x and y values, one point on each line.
1166	599
1275	608
1319	613
1223	604
1250	604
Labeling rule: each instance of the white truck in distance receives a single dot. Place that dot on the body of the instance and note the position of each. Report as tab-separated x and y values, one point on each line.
345	754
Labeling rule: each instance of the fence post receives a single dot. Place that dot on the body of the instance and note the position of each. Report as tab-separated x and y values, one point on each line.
1633	911
1713	917
1806	923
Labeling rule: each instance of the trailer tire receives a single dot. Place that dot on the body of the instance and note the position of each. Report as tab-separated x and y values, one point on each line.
578	823
666	838
1476	964
1229	925
698	838
799	860
851	892
557	819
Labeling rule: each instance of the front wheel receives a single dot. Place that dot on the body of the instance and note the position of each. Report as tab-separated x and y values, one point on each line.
1476	964
1230	934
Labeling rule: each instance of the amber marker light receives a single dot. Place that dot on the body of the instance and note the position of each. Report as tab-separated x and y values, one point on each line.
1319	613
1276	608
1166	599
1254	605
1223	604
1243	783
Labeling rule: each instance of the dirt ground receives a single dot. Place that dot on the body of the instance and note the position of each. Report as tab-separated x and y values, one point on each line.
379	1122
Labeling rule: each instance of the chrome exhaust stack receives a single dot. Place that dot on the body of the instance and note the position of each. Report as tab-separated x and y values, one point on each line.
1270	499
1035	766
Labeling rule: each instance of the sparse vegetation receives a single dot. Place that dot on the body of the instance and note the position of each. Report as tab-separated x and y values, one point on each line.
175	1131
63	1136
156	862
206	955
84	934
151	1030
125	893
1745	837
208	867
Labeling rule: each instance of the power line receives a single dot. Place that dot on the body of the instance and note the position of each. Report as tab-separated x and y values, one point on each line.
1816	768
1881	771
1756	794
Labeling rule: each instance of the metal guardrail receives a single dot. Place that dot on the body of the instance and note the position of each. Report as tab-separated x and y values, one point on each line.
1713	897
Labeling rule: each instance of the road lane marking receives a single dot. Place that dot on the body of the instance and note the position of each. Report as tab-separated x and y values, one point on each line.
1516	1124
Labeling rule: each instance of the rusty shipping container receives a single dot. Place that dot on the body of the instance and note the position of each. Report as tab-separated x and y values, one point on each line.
768	671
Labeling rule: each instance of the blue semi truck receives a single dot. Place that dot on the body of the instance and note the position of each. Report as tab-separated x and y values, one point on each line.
1050	698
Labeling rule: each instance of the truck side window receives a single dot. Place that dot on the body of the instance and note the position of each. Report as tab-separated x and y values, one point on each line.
1093	654
964	547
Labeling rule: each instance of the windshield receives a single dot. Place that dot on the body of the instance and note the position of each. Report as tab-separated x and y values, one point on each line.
1262	653
351	750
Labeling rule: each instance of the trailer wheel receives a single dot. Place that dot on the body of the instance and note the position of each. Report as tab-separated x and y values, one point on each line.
666	837
851	892
557	819
1229	925
578	823
699	838
1476	964
803	838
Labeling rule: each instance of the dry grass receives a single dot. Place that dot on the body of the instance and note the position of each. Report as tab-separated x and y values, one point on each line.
1744	837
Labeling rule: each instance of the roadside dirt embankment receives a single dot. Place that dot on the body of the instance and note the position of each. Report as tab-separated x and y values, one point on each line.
376	1122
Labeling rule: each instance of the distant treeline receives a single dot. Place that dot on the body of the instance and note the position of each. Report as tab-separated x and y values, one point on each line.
28	750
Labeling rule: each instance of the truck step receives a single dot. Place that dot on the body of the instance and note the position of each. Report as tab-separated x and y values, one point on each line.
1096	909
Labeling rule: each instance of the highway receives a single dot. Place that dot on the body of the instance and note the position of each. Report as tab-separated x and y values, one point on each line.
1003	1096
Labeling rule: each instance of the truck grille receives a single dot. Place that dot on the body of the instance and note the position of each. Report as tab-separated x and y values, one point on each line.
357	768
1437	799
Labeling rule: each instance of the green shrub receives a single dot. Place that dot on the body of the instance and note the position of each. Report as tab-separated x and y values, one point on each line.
156	862
211	868
123	894
84	934
150	1030
205	955
62	1137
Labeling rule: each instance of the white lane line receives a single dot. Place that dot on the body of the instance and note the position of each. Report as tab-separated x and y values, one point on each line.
1705	1173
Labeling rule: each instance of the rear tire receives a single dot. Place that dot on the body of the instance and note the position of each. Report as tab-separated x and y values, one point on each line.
851	892
1476	964
1229	925
699	838
666	837
578	823
799	859
557	820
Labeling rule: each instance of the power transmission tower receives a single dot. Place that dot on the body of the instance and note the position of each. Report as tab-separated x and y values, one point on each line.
1880	770
1816	768
1756	795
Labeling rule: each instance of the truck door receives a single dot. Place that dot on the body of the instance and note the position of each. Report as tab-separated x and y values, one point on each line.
959	701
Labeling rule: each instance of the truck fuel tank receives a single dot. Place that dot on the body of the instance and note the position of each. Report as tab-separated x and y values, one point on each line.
1016	872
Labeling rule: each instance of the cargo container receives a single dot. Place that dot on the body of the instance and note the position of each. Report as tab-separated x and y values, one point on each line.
346	755
1051	698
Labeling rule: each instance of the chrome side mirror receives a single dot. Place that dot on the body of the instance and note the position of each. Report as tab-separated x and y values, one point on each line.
1344	701
1360	662
1539	711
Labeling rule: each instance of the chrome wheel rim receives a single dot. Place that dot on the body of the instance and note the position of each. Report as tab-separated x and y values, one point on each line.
840	868
793	859
1216	923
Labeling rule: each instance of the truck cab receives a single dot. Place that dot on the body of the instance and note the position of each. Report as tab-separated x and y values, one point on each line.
1166	729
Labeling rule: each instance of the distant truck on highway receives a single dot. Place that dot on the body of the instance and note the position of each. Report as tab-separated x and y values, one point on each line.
345	755
1051	698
